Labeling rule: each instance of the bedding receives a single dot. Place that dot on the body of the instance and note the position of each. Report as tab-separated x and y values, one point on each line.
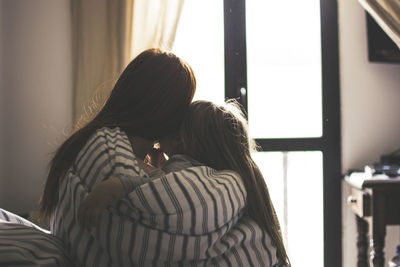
23	243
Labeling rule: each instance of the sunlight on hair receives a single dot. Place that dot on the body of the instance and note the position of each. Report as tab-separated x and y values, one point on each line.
96	101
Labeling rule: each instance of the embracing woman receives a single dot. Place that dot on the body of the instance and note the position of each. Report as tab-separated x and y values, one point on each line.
147	103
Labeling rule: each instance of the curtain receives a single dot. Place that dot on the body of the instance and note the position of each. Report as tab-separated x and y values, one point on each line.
106	35
387	14
154	24
100	34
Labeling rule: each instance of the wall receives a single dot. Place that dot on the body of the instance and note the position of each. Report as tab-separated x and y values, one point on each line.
37	92
370	96
1	107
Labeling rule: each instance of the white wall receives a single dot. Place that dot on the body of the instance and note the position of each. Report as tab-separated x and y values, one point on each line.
36	38
370	103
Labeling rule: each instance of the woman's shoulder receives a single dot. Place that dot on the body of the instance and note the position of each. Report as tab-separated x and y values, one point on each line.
219	183
109	137
101	141
186	166
179	162
108	149
109	133
219	175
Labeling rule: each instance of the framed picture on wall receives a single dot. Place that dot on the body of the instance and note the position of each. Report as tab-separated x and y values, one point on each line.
381	48
386	13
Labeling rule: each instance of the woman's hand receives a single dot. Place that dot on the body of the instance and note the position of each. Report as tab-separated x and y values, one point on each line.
153	161
97	200
156	157
146	167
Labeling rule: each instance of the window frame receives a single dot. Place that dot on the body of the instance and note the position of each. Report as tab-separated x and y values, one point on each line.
330	142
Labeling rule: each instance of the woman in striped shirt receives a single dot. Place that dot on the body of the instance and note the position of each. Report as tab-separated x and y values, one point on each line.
148	102
210	200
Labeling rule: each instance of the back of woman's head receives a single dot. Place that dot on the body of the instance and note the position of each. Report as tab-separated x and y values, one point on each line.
209	130
217	136
151	96
149	100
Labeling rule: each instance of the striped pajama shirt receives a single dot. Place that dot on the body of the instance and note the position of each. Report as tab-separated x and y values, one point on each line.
191	217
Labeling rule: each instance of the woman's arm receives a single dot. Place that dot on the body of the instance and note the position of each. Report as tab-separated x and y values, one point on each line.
101	196
111	190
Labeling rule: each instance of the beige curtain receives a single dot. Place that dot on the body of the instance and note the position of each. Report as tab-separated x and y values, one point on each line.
154	24
101	31
107	34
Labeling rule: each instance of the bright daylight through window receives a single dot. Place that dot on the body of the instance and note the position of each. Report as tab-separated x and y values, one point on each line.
284	101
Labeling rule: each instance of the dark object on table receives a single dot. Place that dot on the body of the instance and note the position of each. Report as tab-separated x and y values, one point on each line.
391	170
392	158
389	164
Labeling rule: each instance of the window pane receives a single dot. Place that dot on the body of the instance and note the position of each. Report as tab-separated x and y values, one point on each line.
284	68
200	41
295	182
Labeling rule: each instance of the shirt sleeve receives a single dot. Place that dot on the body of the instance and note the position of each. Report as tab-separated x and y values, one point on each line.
130	183
108	153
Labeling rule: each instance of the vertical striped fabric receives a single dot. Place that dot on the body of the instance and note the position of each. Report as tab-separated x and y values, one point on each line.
24	244
192	217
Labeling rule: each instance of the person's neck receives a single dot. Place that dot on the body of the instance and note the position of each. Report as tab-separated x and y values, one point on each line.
140	146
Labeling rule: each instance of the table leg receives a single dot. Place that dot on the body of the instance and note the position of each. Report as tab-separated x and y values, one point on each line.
378	229
377	254
362	242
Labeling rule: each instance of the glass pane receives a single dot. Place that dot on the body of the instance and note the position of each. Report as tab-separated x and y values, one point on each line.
295	182
200	41
284	68
271	165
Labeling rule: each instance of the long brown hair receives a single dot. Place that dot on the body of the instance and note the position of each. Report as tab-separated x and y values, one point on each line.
217	136
149	100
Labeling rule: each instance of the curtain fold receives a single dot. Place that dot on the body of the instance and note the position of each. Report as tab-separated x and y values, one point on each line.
101	33
154	24
106	35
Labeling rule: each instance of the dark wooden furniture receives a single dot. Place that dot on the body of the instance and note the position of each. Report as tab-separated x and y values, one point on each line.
376	202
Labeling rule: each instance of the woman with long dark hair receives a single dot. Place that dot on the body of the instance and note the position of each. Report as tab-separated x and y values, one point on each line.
148	102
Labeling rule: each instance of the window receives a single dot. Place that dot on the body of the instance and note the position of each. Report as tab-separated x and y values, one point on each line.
280	60
294	180
200	41
284	68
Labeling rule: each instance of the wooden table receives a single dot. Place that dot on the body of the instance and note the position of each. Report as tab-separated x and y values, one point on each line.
376	202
